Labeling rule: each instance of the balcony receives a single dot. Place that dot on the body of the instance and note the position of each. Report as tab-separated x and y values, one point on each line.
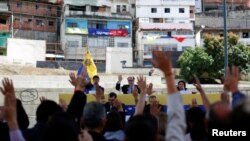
100	14
4	27
31	10
164	2
3	7
166	26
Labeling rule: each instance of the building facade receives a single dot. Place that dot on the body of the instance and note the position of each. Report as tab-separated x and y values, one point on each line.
211	21
165	24
95	25
5	17
37	20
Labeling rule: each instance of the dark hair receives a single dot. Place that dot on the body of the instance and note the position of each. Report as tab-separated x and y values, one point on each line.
61	127
181	81
46	109
196	118
114	121
217	122
241	116
112	94
96	76
141	127
93	114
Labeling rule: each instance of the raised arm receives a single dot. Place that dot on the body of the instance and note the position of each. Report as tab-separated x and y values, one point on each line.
10	111
118	84
202	93
79	99
141	102
176	124
231	85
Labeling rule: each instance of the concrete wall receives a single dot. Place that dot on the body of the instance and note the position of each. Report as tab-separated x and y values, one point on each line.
114	56
20	51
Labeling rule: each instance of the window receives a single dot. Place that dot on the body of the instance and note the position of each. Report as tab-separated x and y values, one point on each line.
73	43
124	8
169	33
245	35
2	21
97	24
191	11
122	44
157	20
118	8
132	5
98	42
39	22
19	4
37	6
51	23
84	41
121	26
167	10
153	10
111	42
72	24
181	10
29	20
17	19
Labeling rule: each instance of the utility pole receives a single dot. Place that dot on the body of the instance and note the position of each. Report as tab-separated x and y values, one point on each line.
225	37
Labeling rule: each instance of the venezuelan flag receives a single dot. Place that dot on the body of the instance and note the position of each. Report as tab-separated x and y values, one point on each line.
88	65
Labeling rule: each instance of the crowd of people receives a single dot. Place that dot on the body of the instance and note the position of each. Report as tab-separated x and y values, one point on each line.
102	120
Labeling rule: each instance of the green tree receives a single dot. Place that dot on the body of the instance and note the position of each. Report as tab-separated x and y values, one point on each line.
194	61
238	54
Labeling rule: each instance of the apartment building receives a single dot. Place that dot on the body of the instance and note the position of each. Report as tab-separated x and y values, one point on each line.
95	25
211	20
166	24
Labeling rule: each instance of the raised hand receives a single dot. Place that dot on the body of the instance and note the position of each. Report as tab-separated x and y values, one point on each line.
135	94
72	80
199	88
7	86
142	84
119	78
10	114
162	61
81	81
231	80
198	84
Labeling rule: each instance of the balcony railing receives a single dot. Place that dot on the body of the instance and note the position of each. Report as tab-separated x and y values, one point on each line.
33	11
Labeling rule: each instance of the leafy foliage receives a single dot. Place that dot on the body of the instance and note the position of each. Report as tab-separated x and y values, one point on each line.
213	57
194	61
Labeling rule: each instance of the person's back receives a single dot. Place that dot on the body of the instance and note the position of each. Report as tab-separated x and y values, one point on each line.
94	118
44	111
113	130
141	128
61	127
